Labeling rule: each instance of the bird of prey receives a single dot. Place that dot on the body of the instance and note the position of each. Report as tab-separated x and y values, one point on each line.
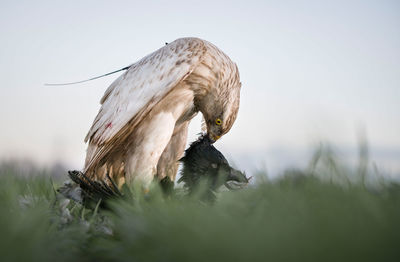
141	128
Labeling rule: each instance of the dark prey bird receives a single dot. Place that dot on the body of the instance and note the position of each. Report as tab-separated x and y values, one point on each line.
203	161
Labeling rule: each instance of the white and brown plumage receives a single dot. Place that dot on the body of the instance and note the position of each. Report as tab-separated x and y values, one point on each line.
141	128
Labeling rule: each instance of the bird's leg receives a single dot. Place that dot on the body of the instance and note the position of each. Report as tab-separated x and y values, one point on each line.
168	164
154	133
151	139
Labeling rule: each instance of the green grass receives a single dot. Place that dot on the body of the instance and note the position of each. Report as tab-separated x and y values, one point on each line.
324	213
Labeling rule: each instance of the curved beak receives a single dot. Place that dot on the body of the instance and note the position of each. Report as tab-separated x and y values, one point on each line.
236	180
212	138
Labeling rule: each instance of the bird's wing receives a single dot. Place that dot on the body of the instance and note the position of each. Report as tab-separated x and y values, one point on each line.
142	86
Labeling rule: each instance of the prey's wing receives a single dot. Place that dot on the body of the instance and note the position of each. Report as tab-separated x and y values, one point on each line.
134	93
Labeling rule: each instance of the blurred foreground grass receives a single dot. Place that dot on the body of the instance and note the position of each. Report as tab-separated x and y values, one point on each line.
326	212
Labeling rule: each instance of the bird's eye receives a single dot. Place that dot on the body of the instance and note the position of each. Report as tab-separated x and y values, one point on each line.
218	121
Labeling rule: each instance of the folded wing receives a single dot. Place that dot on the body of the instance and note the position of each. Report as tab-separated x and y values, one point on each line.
131	96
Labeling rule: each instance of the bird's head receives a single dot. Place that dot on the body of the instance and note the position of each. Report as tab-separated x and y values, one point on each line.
220	110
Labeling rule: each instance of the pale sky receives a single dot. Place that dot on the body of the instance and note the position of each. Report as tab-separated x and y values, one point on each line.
311	71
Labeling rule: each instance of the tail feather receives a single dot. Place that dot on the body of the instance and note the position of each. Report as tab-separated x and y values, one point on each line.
91	190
